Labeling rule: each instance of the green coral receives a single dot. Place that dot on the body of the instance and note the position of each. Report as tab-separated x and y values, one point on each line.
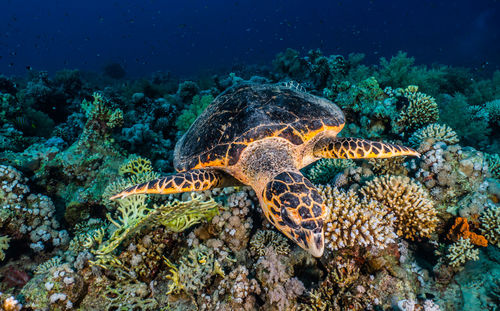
325	170
456	112
188	115
4	245
493	164
133	214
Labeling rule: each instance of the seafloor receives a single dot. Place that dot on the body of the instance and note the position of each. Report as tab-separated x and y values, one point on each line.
402	233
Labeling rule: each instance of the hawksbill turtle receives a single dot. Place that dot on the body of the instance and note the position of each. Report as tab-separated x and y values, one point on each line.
262	135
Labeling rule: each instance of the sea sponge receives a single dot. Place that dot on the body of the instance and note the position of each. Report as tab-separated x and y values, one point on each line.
433	133
407	200
354	222
490	224
460	229
462	251
421	109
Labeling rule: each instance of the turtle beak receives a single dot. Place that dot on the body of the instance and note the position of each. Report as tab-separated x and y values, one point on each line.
312	242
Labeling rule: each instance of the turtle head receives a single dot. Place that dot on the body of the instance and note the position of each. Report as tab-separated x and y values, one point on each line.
294	206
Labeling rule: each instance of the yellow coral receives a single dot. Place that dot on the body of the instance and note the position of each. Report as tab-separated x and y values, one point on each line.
134	214
421	109
136	165
353	221
408	201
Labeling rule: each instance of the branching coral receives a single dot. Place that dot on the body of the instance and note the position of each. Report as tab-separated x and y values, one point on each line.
355	222
136	166
408	201
420	110
101	119
490	224
462	251
433	133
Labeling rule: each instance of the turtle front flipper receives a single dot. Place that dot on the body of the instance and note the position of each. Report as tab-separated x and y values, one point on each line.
292	204
357	148
194	180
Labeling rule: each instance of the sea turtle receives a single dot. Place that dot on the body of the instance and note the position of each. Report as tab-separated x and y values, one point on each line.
262	135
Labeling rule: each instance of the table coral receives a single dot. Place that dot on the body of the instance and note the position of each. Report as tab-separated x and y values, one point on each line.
408	201
355	222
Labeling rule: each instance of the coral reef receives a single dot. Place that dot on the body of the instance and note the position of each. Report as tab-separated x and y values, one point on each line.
398	236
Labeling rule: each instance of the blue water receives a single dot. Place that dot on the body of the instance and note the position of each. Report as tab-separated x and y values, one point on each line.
189	37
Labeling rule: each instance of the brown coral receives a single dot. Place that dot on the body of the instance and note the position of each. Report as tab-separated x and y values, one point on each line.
408	201
355	222
461	230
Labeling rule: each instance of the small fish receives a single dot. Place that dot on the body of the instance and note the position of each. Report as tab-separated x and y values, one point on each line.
29	68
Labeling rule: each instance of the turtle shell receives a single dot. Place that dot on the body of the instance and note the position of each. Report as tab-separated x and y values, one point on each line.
250	112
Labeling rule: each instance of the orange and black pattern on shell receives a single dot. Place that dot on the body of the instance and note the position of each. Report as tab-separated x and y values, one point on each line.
357	148
293	204
249	113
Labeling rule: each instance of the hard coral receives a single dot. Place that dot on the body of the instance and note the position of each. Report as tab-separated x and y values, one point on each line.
460	229
408	201
462	251
490	224
355	222
420	110
433	133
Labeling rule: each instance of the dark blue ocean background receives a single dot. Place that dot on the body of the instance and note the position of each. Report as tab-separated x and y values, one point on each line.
191	37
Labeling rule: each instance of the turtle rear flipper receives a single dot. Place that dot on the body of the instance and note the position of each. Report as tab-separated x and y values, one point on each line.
292	204
194	180
357	148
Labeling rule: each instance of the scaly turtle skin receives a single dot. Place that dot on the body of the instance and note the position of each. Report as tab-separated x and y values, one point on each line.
262	135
